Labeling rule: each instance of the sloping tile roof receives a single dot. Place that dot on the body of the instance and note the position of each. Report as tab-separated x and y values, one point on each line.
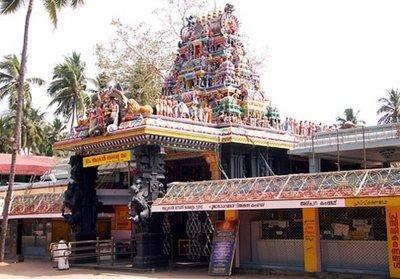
27	164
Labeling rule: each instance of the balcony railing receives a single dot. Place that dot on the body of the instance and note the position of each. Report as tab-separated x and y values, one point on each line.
352	136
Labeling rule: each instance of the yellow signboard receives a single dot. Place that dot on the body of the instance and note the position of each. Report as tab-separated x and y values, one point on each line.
393	239
373	201
109	158
311	240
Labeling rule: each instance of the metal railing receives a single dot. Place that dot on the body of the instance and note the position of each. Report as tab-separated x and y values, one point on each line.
100	252
353	135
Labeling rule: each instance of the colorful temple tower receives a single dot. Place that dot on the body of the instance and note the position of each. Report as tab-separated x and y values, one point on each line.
212	80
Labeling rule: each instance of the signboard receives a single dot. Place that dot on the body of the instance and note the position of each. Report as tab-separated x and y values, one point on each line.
249	205
373	201
109	158
122	221
393	239
223	248
311	240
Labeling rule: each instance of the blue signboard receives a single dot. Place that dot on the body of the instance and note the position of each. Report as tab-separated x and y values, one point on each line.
223	248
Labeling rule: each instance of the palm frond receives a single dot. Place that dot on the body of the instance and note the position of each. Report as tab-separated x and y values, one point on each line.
10	6
36	81
77	3
52	7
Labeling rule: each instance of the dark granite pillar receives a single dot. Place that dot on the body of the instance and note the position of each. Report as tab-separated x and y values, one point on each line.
148	230
80	204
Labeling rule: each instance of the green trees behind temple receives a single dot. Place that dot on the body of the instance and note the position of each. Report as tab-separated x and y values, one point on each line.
37	136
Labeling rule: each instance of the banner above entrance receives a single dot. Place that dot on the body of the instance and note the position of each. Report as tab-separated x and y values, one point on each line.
248	205
108	158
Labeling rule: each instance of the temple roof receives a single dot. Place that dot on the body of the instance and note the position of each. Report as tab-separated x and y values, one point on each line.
181	134
27	164
287	191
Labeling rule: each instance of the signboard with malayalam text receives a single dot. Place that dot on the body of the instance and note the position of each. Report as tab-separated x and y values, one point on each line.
108	158
393	239
223	248
250	205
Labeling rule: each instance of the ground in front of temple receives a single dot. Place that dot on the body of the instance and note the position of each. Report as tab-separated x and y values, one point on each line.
42	269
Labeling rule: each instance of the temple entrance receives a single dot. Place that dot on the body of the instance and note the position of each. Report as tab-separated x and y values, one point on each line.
188	237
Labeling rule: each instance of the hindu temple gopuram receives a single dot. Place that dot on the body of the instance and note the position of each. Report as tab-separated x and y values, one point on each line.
212	80
165	175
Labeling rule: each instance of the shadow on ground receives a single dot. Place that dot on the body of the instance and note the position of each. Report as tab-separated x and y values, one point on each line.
42	269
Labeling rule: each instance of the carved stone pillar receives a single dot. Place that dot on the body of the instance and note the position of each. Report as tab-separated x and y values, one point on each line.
148	227
80	200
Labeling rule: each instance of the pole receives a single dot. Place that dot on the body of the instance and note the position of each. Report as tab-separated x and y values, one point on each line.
129	174
98	250
337	148
364	150
313	151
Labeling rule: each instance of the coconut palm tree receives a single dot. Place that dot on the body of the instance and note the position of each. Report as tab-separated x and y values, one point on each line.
8	7
5	133
32	130
390	109
99	83
68	88
54	132
350	117
9	76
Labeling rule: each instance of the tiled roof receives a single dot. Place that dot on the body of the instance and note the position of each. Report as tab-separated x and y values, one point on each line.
327	185
27	164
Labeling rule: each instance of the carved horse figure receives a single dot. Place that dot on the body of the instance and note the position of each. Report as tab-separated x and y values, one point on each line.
183	110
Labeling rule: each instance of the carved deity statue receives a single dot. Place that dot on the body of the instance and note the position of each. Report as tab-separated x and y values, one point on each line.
139	209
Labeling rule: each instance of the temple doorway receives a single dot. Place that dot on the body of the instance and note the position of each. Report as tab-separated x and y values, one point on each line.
188	235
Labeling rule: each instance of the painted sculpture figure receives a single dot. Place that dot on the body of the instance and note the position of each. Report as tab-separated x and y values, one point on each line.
212	81
211	67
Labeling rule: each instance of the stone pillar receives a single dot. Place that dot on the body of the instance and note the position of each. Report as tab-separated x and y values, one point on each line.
311	238
148	227
314	164
80	199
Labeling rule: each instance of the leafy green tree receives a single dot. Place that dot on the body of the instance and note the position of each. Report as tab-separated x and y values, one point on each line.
349	116
9	76
139	62
139	58
54	131
7	7
68	88
390	107
32	130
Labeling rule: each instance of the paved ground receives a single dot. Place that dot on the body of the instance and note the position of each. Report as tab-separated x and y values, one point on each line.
37	269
